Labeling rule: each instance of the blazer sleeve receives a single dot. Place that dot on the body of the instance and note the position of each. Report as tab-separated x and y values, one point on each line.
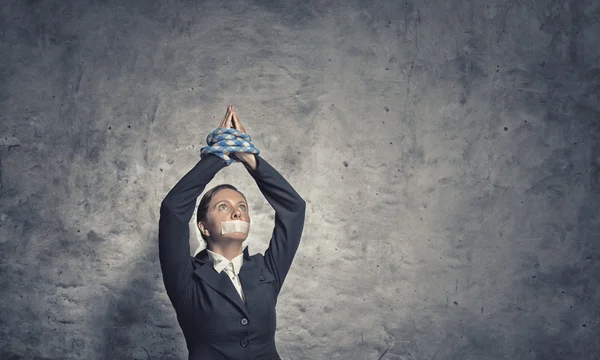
173	230
289	218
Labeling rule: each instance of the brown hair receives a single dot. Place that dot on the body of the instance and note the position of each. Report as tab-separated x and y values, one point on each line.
205	202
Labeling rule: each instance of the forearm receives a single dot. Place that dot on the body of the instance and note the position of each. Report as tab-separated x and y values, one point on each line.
182	197
249	160
276	189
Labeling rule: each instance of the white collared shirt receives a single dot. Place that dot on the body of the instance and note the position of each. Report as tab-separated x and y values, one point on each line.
233	267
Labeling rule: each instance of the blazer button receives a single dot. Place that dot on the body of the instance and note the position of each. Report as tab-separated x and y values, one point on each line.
262	278
244	321
244	342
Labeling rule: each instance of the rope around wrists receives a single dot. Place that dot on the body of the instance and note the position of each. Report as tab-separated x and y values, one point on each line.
225	141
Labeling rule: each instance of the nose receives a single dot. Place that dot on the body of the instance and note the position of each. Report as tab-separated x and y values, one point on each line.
237	214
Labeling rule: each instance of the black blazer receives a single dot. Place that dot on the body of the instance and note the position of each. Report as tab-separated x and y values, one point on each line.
216	323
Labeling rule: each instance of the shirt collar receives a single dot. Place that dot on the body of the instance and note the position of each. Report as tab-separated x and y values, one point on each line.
220	262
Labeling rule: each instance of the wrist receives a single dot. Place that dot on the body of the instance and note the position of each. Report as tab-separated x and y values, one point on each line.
248	159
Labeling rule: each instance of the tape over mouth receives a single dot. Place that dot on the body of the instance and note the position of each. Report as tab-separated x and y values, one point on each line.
234	226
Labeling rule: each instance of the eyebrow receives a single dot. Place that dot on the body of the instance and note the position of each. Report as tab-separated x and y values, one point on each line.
240	202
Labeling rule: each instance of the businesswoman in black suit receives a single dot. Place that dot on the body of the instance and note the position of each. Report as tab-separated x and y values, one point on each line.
223	297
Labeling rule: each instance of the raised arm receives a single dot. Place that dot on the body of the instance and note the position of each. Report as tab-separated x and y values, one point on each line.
289	217
289	211
173	230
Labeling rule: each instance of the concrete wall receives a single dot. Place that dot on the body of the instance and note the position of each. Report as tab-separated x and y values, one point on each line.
448	151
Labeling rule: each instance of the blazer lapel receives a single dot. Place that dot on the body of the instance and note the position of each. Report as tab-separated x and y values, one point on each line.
220	282
249	277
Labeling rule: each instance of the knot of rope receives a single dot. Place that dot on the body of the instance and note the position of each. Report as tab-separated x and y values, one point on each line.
225	141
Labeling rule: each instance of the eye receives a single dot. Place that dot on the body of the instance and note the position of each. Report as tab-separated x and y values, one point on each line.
221	207
243	207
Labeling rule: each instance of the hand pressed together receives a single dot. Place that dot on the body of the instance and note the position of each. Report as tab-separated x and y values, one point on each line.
230	120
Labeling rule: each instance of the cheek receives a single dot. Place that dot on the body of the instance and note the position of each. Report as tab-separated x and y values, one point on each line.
213	222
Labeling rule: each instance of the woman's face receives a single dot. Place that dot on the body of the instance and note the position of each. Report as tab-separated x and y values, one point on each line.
225	205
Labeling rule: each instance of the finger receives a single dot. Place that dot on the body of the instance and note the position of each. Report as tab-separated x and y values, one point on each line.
224	121
240	127
238	124
236	121
227	118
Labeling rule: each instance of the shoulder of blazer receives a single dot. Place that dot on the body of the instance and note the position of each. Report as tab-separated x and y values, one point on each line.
258	259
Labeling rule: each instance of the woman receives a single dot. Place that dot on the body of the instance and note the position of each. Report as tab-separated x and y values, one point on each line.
225	299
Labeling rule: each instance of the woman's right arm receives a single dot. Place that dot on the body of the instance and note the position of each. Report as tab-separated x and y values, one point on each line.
173	229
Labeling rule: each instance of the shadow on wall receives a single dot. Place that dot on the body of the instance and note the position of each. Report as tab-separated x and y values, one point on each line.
138	324
43	274
51	272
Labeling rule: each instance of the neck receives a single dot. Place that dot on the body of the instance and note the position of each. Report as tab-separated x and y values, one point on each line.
228	250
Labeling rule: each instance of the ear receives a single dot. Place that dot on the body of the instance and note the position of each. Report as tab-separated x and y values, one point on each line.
203	229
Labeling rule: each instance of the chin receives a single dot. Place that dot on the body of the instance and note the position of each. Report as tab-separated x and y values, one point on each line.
236	236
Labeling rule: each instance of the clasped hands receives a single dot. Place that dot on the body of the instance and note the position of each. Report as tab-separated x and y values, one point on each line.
230	120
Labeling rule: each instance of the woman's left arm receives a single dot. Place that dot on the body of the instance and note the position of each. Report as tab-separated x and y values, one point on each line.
289	215
289	210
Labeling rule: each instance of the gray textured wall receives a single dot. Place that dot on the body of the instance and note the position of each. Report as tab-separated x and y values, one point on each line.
448	151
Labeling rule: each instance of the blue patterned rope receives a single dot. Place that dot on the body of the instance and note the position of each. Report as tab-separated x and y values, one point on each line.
225	141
